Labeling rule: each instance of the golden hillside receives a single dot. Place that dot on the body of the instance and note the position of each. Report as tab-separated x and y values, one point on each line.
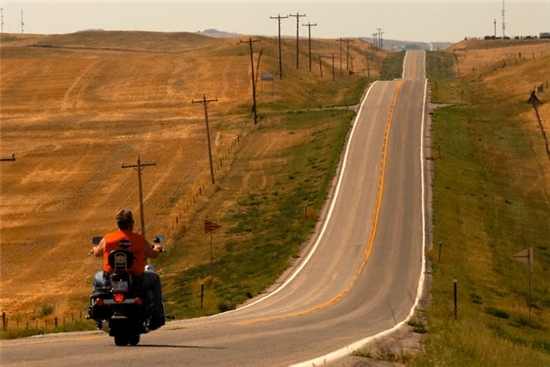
513	69
75	107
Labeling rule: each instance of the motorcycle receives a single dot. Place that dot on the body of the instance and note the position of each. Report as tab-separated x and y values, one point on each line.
122	308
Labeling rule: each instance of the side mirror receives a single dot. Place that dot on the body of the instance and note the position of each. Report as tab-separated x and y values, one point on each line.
159	239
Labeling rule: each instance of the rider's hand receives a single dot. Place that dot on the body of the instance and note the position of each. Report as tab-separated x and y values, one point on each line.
158	248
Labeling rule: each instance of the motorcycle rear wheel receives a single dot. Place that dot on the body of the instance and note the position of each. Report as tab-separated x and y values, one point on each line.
121	339
133	339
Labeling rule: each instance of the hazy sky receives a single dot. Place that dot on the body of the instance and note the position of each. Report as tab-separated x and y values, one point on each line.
406	20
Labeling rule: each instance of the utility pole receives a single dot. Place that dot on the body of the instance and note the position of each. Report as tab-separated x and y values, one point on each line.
347	54
503	22
527	257
297	37
279	17
254	111
333	67
309	25
380	33
340	55
2	16
321	65
368	62
22	23
205	102
138	168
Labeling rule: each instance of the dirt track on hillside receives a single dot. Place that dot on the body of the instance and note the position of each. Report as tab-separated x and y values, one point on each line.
72	117
74	109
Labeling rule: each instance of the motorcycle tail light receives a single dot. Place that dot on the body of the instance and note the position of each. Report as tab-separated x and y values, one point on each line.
119	297
139	301
99	302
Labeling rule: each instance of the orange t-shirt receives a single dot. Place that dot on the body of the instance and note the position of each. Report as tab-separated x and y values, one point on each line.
125	240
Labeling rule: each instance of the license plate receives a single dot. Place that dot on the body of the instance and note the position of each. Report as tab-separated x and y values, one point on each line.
120	285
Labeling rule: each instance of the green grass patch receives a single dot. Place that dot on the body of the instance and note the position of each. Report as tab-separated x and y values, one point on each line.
392	67
265	227
439	70
489	203
31	329
318	93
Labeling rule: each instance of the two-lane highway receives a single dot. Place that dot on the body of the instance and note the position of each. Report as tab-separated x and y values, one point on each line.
361	275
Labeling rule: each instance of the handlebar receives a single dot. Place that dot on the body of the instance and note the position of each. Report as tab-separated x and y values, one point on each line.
158	239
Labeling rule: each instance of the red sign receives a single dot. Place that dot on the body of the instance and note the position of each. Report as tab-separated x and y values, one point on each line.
210	226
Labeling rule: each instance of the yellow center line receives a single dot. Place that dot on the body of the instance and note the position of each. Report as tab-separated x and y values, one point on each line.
366	256
54	340
370	244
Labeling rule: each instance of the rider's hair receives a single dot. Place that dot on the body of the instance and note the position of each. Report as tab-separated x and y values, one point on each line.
124	219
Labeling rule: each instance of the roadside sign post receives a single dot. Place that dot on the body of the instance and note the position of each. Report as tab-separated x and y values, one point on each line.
455	281
270	78
527	257
12	158
210	227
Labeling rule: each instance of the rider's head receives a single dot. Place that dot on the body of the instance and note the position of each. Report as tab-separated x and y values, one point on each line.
125	219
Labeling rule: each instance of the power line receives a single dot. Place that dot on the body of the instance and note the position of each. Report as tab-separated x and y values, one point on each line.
279	17
298	16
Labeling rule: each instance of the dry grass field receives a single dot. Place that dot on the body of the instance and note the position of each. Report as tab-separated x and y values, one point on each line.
491	200
513	69
75	107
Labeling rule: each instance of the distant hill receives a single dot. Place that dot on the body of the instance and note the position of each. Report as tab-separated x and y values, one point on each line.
388	44
218	34
126	40
410	45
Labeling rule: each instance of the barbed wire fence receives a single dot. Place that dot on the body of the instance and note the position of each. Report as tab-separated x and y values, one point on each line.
18	323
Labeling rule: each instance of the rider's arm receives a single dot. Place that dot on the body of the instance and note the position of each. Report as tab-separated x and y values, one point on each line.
152	252
99	249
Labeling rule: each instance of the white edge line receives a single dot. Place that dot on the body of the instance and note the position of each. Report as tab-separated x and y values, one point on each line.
348	349
327	220
329	213
404	62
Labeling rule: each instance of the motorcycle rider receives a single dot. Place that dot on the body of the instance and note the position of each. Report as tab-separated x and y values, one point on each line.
138	245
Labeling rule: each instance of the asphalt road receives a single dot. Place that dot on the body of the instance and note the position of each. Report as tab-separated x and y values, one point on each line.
360	277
